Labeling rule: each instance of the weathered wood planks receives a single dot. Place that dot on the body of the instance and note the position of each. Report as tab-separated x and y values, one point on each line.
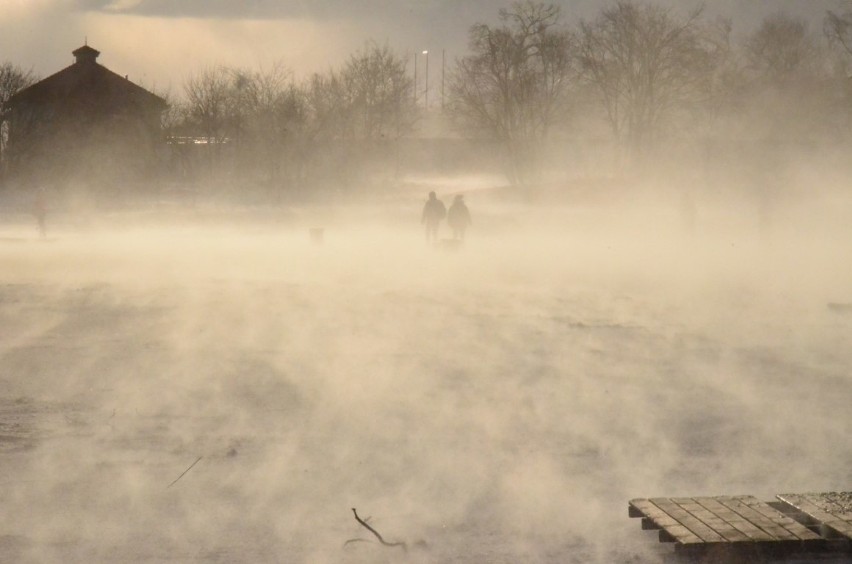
831	510
743	521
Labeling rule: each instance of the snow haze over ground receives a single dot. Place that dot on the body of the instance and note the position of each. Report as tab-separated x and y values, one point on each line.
198	386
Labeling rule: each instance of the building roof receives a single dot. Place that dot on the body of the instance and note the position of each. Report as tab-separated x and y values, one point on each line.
86	78
85	53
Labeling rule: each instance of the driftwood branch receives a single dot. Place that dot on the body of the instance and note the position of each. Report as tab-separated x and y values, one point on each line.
353	541
375	532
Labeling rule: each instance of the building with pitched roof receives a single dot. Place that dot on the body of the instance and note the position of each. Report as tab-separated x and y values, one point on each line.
85	124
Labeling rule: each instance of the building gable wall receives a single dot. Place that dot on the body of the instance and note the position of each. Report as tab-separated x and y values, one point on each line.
84	122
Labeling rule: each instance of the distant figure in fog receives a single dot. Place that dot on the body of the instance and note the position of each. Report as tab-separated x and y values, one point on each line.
433	212
40	210
459	218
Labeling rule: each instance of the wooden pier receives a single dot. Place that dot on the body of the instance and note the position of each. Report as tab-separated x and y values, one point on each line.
829	513
795	524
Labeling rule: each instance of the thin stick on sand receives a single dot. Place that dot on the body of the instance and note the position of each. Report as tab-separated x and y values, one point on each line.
184	472
375	532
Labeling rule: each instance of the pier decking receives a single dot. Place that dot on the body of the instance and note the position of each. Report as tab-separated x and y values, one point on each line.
830	513
795	524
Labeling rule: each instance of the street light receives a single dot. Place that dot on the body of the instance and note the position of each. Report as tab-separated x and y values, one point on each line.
427	79
443	70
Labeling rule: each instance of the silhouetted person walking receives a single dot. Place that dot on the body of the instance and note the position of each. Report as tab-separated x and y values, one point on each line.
459	218
433	212
40	211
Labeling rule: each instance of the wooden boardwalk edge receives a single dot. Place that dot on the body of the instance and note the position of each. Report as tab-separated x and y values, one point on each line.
833	517
815	522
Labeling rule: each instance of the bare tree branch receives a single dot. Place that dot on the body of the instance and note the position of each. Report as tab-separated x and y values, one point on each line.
376	533
645	63
838	28
514	85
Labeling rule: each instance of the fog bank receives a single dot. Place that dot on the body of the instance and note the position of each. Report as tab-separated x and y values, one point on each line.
500	403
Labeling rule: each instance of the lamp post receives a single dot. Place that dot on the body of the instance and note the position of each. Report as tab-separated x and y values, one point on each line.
426	99
443	71
415	79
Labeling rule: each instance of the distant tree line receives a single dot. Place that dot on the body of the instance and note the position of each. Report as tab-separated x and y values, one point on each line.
649	76
265	127
13	78
654	77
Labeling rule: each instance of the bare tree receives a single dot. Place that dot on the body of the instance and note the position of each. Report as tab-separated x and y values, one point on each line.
790	98
380	93
244	123
358	114
724	81
513	86
275	113
330	132
838	27
208	106
174	114
330	103
262	125
645	63
13	79
793	74
781	48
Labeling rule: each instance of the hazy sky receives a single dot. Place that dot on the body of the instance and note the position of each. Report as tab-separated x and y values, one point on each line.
160	42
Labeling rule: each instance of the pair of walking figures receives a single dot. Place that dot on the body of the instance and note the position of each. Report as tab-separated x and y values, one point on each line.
434	212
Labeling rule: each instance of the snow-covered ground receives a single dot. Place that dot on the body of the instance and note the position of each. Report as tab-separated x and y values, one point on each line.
501	403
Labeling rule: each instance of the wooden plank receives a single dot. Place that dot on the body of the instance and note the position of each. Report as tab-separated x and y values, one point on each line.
722	522
652	512
838	504
810	505
681	535
644	507
828	523
747	523
671	529
655	518
738	528
709	518
777	532
795	528
692	523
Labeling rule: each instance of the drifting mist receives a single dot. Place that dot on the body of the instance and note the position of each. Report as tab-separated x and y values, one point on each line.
499	403
219	339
